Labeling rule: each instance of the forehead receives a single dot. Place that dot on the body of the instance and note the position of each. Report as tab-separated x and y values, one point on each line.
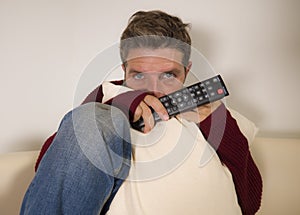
162	57
168	53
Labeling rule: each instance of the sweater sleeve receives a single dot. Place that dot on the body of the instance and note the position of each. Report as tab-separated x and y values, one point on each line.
45	147
220	129
126	102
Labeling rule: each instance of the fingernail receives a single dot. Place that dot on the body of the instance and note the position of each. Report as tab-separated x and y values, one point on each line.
165	117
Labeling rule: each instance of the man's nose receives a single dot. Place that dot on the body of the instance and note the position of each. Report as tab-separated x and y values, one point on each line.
154	86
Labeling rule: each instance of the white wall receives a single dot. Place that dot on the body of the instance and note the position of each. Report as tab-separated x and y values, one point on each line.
46	45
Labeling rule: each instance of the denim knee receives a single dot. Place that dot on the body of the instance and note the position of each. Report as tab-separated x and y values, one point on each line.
103	134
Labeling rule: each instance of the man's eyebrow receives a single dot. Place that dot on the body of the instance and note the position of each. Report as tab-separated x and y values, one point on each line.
176	71
133	71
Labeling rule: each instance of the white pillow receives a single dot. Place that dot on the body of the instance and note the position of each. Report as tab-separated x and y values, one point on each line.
167	177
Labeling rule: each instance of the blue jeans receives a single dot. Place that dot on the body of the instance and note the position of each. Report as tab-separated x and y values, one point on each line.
85	165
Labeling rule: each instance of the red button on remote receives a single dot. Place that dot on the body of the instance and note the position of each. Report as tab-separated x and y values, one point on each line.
220	91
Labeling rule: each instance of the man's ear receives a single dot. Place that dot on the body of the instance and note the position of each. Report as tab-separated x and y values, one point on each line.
124	67
124	70
188	68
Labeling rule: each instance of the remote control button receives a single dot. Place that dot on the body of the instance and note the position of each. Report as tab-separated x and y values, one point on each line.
177	94
163	99
173	101
220	91
185	97
185	90
179	99
181	105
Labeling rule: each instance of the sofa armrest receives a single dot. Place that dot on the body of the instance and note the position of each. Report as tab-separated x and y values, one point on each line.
17	171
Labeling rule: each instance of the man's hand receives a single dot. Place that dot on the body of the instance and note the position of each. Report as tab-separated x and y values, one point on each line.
201	113
144	111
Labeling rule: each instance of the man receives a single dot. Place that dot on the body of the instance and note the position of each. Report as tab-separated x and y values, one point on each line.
82	167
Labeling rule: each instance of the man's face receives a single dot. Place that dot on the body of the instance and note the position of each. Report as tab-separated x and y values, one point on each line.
157	70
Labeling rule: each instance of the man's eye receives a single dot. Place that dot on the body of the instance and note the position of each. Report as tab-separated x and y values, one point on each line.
168	75
138	76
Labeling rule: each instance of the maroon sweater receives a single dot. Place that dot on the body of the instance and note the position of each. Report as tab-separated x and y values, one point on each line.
232	146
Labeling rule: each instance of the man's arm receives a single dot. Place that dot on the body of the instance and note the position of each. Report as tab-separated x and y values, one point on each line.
233	150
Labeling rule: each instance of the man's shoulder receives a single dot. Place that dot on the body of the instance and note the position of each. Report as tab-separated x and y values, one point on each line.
97	94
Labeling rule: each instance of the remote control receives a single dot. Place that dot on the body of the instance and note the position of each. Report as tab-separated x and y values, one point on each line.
189	98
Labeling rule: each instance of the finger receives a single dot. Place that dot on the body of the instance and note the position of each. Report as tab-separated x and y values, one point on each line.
147	117
138	113
157	106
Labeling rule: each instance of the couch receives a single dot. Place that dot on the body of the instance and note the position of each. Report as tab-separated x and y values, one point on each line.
276	158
